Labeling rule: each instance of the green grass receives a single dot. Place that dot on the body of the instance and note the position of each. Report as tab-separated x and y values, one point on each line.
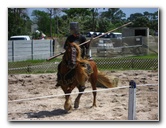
33	66
148	62
145	57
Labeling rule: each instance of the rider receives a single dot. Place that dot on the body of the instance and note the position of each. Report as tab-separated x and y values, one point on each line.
77	38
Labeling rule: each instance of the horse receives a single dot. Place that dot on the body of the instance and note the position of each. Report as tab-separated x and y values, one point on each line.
74	71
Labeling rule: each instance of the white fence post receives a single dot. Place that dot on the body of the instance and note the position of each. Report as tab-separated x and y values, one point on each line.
32	48
132	101
13	51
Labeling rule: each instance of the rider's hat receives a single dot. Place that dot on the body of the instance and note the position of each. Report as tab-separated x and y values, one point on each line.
74	27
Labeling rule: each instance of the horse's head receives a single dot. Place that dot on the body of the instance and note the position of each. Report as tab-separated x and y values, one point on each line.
72	55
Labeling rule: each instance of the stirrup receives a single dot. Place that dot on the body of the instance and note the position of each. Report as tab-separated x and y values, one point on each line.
90	58
57	85
82	88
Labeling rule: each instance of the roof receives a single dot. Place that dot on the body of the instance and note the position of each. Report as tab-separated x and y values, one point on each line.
19	36
25	37
116	33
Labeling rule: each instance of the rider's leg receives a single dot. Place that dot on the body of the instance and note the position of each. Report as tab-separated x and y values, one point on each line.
58	76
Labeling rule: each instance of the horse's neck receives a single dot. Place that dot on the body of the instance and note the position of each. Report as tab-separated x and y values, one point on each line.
64	68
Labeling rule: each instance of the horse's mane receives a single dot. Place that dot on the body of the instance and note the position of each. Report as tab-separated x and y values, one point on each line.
78	51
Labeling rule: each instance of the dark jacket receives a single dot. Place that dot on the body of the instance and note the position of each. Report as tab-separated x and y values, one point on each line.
77	39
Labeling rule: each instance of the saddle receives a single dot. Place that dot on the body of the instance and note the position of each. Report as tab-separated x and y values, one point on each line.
68	78
87	67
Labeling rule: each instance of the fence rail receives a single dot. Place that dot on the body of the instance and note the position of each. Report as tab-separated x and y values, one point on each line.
43	49
75	93
30	56
131	97
106	63
26	50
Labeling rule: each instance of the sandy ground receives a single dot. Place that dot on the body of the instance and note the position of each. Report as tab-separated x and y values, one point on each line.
111	104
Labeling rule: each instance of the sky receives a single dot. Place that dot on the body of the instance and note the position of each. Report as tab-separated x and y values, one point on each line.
127	11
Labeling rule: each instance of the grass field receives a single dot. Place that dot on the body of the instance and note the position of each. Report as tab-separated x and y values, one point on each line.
126	63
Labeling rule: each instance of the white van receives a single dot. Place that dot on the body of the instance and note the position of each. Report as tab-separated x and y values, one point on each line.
20	37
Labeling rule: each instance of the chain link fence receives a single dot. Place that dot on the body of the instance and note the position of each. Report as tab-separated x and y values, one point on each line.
34	54
102	63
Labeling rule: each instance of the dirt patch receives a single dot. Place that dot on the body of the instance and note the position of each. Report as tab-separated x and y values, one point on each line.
111	104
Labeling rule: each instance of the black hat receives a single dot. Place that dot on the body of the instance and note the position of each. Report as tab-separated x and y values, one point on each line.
74	26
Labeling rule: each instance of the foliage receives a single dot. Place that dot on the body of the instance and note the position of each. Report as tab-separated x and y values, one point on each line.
55	21
114	15
145	20
41	18
18	22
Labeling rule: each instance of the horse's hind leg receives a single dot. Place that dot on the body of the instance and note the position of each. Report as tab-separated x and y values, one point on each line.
94	95
77	100
93	82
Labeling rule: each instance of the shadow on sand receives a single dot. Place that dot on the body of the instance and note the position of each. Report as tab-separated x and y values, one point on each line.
43	114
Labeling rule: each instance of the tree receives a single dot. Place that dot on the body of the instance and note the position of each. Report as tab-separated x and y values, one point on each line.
114	15
57	12
153	20
135	16
146	19
42	19
50	10
57	20
77	12
18	22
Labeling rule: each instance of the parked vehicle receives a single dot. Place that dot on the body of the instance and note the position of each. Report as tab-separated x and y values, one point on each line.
116	35
104	45
111	41
89	34
94	34
20	37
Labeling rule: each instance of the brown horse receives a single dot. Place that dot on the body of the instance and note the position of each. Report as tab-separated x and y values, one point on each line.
75	71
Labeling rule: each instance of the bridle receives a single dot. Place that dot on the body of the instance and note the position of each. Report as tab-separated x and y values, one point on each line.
70	57
70	61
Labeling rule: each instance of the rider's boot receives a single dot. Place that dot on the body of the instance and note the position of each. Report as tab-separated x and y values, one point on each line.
81	88
58	77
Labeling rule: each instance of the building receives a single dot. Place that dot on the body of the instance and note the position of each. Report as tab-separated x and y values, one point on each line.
34	27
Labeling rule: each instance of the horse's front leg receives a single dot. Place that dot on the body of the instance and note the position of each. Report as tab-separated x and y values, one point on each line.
77	100
67	105
67	91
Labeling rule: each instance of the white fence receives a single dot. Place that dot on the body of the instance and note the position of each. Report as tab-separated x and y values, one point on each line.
30	50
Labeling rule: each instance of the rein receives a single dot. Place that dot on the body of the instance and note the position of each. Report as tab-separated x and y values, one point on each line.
70	63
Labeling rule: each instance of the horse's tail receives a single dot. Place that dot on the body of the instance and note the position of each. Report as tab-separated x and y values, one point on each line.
105	81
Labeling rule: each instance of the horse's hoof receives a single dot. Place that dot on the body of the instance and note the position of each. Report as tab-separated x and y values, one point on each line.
76	105
93	106
68	111
68	108
57	86
115	82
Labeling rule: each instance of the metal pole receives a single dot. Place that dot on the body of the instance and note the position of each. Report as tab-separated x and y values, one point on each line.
91	39
132	100
53	46
32	49
50	49
12	51
106	33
